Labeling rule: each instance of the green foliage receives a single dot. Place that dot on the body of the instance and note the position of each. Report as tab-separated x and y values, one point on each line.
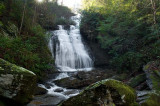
2	7
29	48
53	15
125	29
63	21
30	52
153	100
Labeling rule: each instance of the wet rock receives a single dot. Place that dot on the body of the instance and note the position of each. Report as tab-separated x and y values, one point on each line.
83	79
47	85
106	92
152	70
46	100
72	91
59	90
16	83
40	91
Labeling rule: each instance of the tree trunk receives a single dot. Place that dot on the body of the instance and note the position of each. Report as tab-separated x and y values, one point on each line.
9	5
153	4
24	10
34	16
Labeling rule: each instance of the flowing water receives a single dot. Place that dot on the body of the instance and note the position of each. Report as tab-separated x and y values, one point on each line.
69	51
70	55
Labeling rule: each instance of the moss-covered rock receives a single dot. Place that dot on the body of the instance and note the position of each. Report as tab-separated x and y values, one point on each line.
106	92
16	83
152	70
153	100
137	80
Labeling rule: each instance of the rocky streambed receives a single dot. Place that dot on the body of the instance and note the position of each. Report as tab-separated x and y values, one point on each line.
97	87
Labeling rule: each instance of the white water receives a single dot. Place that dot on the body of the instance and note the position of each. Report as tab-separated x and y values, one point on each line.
69	52
70	55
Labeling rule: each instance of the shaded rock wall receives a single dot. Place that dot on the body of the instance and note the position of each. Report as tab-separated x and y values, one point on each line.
99	55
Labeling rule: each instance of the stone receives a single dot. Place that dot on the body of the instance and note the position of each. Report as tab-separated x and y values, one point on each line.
83	79
137	80
40	91
16	83
59	90
46	100
152	70
153	99
106	92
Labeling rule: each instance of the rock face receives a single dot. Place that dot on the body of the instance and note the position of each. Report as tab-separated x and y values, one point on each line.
152	70
104	93
99	55
16	83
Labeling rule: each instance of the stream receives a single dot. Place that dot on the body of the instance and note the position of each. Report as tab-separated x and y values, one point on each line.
71	55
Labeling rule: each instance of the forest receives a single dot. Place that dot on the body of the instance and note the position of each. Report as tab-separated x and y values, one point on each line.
22	22
128	30
80	52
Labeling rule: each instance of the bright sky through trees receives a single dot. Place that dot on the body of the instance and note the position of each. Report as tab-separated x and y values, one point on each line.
39	0
71	3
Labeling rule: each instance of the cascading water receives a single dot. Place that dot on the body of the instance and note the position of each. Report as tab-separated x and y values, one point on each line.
69	51
70	56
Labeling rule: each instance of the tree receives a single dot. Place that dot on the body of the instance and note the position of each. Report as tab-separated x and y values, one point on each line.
24	10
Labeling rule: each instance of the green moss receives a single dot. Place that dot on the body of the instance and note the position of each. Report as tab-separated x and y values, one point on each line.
153	100
155	82
121	77
20	82
1	69
90	96
1	103
135	81
157	72
153	71
12	68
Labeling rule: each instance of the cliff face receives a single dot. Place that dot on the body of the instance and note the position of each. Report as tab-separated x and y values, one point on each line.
99	55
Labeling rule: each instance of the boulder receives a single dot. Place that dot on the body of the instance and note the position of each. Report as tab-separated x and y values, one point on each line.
152	70
16	83
40	91
83	79
137	80
149	98
104	93
46	100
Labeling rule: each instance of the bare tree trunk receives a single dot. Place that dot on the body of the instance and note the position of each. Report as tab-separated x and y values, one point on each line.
153	3
35	9
24	10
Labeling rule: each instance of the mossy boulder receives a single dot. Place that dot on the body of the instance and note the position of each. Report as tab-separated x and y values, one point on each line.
152	70
106	92
153	99
137	80
16	83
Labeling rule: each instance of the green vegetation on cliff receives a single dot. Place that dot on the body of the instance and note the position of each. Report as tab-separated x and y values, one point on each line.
128	30
23	38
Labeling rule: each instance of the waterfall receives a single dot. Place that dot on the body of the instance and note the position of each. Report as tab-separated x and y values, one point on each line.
68	49
70	55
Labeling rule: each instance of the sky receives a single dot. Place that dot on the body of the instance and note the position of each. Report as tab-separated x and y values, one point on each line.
71	3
